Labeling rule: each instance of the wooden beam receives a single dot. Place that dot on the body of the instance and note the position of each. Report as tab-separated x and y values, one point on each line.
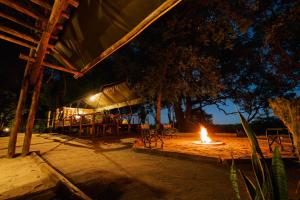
65	60
166	6
73	3
56	12
37	70
31	115
50	65
15	41
20	22
18	34
17	21
21	35
43	4
22	9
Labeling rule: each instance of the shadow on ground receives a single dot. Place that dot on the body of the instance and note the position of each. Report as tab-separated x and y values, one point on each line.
105	185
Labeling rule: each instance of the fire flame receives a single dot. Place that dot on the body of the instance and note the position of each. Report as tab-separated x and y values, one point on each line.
204	135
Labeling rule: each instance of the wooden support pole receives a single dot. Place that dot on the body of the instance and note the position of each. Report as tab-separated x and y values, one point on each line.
20	106
50	65
80	126
49	119
93	124
41	50
14	5
37	70
31	116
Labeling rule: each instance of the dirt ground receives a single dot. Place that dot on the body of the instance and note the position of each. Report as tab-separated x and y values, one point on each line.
21	176
236	147
108	169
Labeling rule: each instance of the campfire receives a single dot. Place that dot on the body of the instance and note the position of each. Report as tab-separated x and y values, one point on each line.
205	139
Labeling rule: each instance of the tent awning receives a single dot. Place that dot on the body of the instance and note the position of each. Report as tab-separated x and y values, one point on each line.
111	97
100	27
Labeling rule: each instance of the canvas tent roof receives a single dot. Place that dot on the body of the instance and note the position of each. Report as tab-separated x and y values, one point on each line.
112	96
78	34
100	27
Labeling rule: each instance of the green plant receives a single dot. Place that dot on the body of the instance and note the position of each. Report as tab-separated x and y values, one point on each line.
267	183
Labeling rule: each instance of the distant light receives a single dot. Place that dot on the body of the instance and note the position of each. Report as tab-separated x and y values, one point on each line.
93	98
77	117
6	130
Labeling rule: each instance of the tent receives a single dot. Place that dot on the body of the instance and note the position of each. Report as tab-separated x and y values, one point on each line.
69	36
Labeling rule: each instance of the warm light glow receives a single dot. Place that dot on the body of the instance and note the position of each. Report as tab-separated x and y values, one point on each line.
6	130
77	116
204	135
93	98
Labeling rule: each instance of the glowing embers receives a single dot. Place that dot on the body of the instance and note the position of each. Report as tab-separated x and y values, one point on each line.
205	139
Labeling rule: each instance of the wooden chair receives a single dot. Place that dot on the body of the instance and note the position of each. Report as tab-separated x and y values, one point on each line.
151	136
274	137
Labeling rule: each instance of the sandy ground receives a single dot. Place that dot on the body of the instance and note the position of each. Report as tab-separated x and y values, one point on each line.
110	170
107	169
236	147
21	176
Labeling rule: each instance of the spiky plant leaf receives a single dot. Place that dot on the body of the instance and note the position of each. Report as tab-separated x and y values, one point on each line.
250	186
233	179
251	135
279	176
258	174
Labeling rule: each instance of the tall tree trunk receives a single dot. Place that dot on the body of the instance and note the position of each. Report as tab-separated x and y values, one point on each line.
188	111
179	115
170	115
18	116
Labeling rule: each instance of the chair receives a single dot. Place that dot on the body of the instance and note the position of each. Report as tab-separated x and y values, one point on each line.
275	135
150	136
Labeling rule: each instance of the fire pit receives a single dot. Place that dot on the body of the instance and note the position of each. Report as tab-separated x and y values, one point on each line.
205	140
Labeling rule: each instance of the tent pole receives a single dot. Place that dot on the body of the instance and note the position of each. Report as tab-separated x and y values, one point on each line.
20	106
31	116
37	69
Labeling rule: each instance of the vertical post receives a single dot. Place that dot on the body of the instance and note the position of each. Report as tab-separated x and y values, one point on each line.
37	68
31	116
93	124
71	122
20	106
48	118
80	126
